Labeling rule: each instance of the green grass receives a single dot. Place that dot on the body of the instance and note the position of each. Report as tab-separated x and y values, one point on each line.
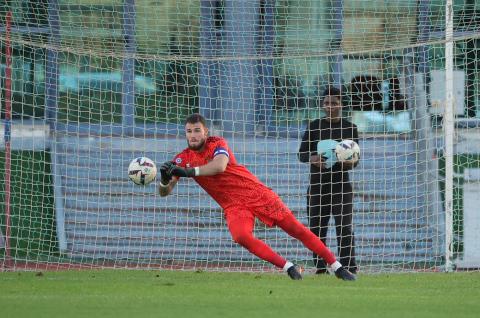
123	293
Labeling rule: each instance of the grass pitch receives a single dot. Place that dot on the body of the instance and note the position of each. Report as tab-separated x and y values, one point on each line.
131	293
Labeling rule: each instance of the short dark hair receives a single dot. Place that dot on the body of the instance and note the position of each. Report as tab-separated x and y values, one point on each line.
332	91
196	118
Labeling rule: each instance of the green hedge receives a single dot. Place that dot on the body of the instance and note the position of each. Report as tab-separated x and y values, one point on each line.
33	232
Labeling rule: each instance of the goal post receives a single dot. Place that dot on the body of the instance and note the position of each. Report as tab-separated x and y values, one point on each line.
7	134
95	84
448	131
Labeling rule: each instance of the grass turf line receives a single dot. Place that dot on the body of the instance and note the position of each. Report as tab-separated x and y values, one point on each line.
132	293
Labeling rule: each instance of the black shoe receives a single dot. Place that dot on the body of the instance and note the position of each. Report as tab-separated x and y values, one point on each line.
322	271
294	272
343	273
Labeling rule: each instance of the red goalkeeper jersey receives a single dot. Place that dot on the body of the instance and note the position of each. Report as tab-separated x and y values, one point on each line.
236	186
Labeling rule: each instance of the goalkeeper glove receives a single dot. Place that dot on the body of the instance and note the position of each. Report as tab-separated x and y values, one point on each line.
165	174
183	172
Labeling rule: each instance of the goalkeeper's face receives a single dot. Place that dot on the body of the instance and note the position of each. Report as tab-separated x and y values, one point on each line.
196	135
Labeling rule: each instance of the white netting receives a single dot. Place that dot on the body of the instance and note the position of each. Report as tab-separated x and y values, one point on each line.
95	84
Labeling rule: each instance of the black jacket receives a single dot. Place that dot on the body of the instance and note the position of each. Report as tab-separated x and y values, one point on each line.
322	129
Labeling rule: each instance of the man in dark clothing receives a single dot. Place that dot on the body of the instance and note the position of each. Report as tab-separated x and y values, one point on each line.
330	191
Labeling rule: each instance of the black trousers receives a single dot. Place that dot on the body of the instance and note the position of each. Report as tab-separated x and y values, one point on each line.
333	200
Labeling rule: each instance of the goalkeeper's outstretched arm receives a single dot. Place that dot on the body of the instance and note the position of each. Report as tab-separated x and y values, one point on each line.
216	166
170	172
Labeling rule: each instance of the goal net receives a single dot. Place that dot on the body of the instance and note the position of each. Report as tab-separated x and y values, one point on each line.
86	86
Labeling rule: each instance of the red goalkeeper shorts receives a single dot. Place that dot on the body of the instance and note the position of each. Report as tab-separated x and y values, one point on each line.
269	212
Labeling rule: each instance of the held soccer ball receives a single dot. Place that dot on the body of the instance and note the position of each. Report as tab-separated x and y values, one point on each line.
142	171
347	151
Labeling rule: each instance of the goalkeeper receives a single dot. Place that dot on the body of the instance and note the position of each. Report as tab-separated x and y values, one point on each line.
210	162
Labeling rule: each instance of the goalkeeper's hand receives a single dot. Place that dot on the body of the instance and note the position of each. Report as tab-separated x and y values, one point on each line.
166	176
177	171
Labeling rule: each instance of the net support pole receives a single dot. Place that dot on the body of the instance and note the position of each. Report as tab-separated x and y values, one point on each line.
210	35
448	125
424	28
7	133
51	68
266	48
51	102
239	79
128	67
336	61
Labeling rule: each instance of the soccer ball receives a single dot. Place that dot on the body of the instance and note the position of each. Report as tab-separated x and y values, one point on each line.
142	171
347	151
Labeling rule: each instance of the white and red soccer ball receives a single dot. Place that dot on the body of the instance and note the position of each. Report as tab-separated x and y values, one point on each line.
142	171
347	151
